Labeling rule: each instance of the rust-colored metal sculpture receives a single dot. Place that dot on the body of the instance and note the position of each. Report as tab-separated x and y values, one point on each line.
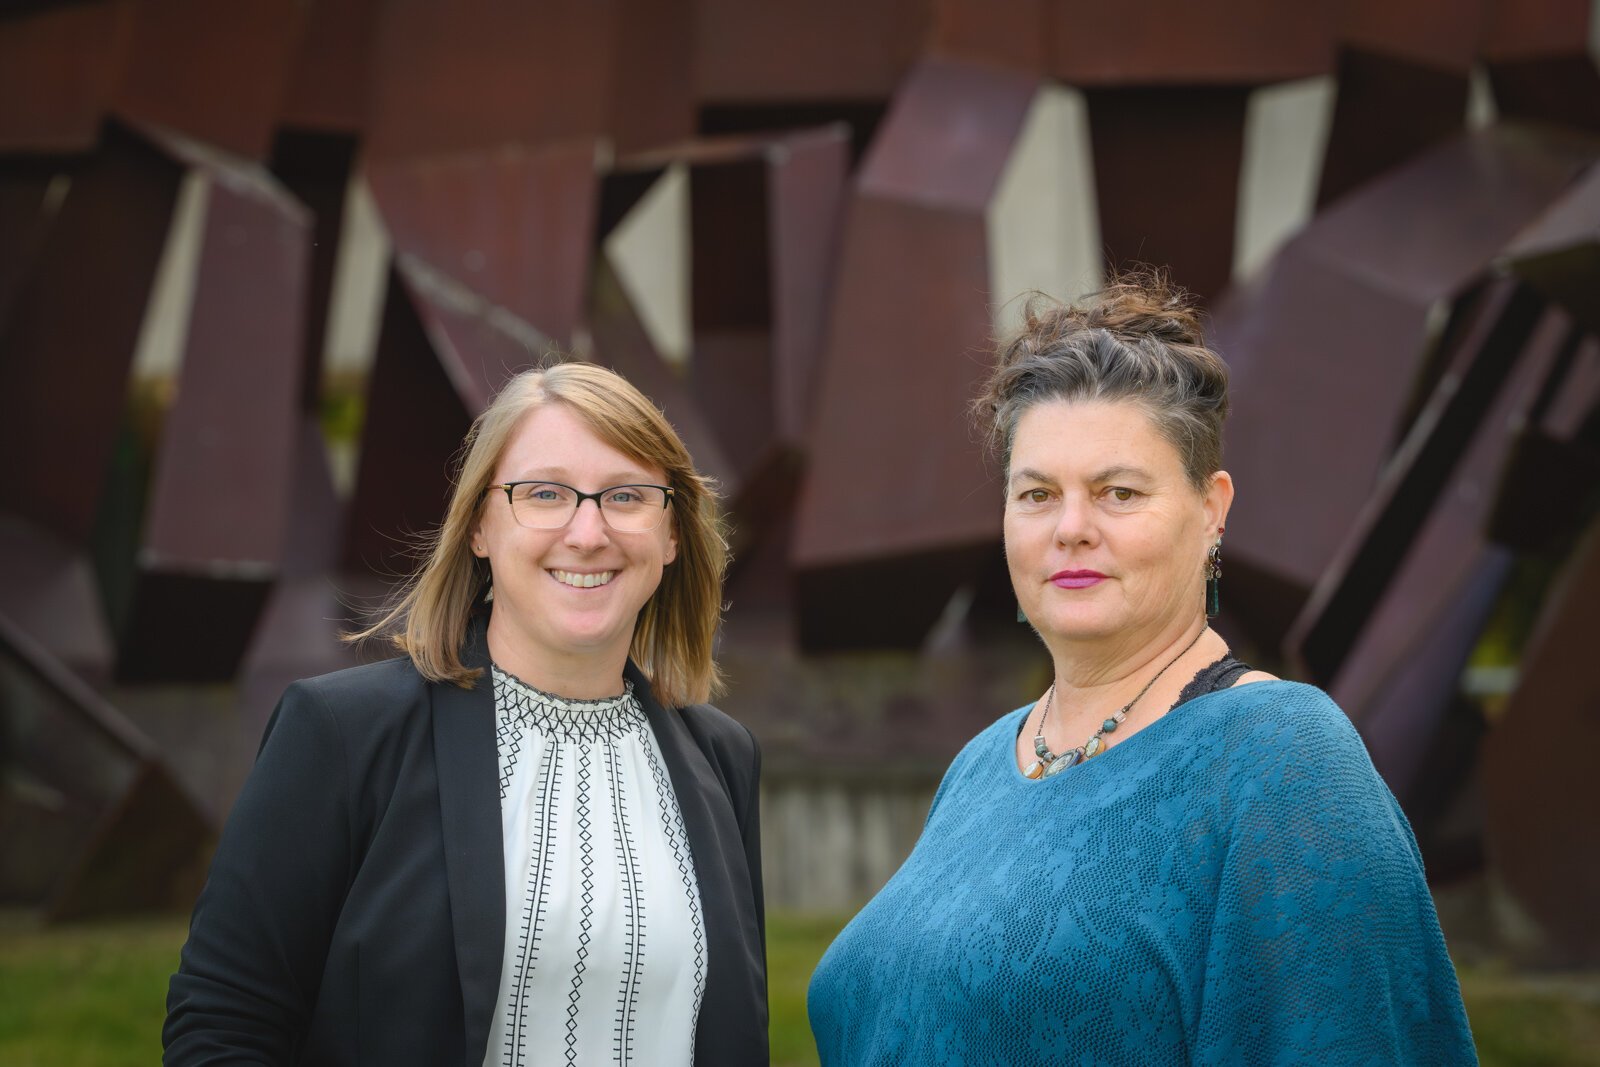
896	494
1552	873
217	512
842	163
1328	347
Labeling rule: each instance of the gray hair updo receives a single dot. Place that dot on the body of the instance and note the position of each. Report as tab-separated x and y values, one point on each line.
1137	340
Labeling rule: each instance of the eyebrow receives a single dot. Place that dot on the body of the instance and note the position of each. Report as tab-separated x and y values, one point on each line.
1119	472
1109	474
1028	474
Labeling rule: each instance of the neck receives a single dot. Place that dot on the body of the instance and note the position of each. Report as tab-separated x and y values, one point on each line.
580	676
1101	671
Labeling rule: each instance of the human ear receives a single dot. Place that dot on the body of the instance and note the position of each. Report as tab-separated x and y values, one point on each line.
1218	501
476	542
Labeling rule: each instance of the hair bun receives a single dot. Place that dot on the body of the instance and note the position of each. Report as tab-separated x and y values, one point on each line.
1145	303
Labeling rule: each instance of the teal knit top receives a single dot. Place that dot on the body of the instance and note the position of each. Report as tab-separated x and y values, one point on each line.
1233	884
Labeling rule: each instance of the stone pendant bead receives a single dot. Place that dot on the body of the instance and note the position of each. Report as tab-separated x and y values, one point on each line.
1063	762
1092	747
1108	726
1034	770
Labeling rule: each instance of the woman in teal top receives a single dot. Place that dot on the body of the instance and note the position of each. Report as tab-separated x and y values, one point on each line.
1168	858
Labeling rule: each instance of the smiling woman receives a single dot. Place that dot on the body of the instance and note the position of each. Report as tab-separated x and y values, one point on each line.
528	839
1167	858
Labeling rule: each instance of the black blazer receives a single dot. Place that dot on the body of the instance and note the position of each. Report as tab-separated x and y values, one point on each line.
355	909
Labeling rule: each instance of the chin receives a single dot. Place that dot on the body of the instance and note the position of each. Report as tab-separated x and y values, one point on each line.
585	636
1077	626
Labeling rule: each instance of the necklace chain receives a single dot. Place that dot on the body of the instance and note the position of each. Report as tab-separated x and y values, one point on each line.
1049	763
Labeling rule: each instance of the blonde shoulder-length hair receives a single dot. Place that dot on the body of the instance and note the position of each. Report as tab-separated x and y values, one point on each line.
673	637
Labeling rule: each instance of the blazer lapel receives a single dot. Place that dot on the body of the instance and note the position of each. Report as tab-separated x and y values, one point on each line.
469	808
733	934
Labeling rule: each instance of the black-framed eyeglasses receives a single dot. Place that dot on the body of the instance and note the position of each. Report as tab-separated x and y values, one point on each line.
551	505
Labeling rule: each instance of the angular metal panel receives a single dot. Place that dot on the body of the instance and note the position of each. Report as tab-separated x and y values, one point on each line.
805	49
948	136
102	827
1389	110
58	69
1173	42
1442	34
64	372
652	95
1498	333
1560	89
477	75
214	72
1527	29
1153	212
516	226
477	344
218	510
806	212
316	168
1540	788
415	421
331	71
1002	33
48	590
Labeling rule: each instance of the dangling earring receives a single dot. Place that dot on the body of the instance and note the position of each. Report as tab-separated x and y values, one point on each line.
1213	571
1020	616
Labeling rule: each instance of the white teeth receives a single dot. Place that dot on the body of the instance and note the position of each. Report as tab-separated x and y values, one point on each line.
583	581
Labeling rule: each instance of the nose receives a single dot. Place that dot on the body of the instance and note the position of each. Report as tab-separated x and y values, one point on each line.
1075	521
587	529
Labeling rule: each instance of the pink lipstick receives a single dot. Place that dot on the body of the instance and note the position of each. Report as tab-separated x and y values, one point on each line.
1076	579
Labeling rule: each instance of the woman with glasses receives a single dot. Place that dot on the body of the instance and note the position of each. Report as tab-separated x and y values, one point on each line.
528	839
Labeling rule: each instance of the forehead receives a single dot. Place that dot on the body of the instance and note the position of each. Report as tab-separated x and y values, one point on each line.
554	439
1073	438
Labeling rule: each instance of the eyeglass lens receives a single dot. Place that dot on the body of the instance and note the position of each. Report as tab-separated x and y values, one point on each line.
550	505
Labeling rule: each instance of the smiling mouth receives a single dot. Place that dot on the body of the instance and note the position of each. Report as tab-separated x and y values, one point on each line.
582	581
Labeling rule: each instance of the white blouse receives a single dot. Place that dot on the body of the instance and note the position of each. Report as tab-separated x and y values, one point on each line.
605	956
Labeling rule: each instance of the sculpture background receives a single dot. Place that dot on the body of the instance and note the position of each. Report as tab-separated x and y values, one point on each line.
796	226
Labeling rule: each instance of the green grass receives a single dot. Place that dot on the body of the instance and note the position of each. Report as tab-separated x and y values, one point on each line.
92	996
794	945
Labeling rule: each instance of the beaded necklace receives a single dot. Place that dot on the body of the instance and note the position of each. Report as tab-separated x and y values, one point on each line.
1049	763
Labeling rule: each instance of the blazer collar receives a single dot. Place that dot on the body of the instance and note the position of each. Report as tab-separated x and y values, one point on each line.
734	1002
469	803
469	808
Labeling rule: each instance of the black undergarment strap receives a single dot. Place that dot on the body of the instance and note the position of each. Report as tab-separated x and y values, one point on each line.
1219	675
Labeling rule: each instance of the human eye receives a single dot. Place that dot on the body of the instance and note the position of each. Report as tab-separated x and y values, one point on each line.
1121	493
627	496
544	493
1032	498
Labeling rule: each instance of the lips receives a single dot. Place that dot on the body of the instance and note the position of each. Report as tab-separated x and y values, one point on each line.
580	580
1076	579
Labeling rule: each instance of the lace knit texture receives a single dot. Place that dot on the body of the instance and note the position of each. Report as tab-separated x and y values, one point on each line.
1234	884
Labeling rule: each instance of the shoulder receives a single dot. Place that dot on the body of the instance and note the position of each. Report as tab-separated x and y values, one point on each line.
1276	708
999	735
720	736
1282	742
385	678
359	701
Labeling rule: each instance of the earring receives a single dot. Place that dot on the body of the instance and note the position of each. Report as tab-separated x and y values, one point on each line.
1213	572
1020	616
